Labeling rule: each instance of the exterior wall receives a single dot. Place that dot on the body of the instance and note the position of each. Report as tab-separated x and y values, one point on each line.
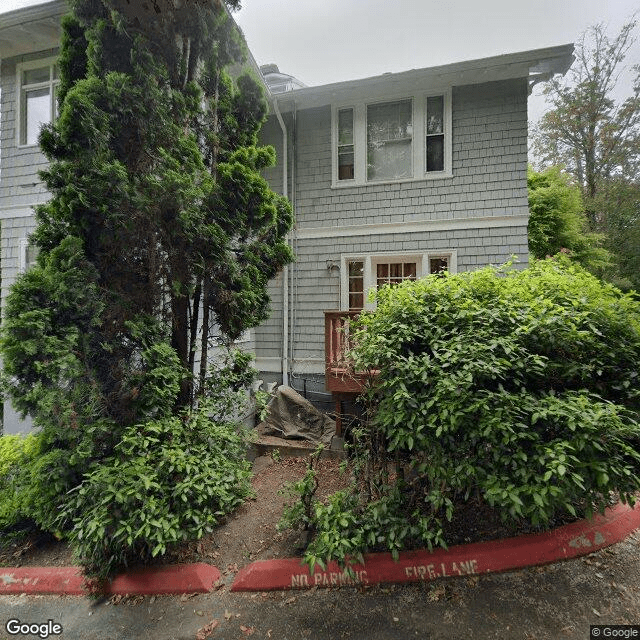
20	185
489	158
489	167
20	189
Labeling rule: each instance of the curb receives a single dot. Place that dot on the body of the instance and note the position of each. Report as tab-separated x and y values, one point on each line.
171	579
569	541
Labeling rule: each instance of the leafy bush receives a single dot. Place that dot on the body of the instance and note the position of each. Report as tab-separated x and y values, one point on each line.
516	388
170	480
16	453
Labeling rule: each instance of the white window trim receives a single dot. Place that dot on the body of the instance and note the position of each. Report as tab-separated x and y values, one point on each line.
372	259
22	254
419	107
26	66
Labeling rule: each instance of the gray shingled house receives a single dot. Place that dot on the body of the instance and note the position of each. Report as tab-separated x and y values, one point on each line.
391	177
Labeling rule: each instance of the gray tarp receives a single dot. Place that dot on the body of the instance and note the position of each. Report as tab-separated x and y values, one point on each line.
290	416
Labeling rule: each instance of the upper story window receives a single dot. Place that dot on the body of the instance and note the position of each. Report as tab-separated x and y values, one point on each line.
345	145
398	140
389	140
37	82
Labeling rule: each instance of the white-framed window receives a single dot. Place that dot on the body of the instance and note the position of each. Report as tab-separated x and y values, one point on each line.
361	273
28	253
396	140
36	91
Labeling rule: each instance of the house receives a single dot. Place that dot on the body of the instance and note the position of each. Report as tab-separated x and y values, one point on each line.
391	178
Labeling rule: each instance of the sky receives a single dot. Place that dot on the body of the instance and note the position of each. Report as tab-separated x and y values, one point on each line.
323	41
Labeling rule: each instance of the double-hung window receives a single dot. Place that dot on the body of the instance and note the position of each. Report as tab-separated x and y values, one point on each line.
403	139
389	140
37	82
363	273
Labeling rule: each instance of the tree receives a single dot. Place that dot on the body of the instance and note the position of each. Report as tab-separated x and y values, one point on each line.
620	199
160	225
595	137
557	221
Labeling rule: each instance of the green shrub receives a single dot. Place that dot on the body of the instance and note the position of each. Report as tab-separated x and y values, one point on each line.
170	480
517	388
16	454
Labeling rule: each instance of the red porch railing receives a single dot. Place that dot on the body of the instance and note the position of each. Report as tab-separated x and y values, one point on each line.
340	377
339	374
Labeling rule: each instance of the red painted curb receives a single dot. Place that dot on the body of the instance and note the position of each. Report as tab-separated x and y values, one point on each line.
172	579
569	541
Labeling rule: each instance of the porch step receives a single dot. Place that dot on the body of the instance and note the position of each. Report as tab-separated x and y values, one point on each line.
265	446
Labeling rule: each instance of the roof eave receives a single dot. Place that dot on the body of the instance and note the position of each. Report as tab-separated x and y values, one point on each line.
525	64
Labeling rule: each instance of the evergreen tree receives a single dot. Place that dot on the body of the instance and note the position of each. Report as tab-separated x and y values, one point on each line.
159	226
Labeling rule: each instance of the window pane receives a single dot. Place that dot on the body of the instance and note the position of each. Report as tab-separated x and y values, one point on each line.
395	270
410	270
345	126
389	136
356	301
356	268
345	163
435	153
356	284
438	265
31	253
389	160
435	114
36	111
32	76
389	121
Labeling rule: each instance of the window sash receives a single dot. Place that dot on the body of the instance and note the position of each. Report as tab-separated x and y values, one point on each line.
390	140
37	95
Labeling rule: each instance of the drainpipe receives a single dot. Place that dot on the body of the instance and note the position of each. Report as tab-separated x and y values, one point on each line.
285	278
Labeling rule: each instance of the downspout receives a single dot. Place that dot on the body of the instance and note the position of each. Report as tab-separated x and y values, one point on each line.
285	275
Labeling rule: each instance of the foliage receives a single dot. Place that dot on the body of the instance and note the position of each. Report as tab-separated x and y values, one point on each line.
16	453
515	388
620	199
557	222
158	211
169	480
158	241
586	130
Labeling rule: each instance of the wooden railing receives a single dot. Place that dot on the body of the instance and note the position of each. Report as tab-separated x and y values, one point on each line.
339	374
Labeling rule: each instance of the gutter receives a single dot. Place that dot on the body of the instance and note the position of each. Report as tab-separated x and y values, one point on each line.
285	278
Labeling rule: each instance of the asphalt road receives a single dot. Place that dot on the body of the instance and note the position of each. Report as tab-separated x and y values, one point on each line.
544	603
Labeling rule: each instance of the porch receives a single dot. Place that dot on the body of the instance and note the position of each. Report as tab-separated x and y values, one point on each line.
341	379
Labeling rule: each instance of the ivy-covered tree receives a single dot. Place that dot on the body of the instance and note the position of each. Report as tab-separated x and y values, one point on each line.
159	227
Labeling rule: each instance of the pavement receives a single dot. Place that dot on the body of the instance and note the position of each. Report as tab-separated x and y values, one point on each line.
559	600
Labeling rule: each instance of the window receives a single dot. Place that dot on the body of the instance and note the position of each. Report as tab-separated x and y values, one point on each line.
36	98
363	273
28	255
345	145
389	140
434	144
400	140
